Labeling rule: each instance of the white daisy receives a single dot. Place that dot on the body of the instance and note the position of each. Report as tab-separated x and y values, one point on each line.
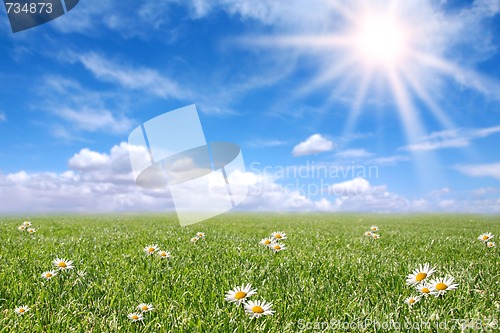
49	274
424	289
31	230
20	310
490	244
135	316
144	307
200	234
258	308
368	234
21	227
277	247
150	249
239	294
485	237
420	274
164	254
374	228
441	286
375	236
412	300
194	239
266	241
27	223
278	235
63	264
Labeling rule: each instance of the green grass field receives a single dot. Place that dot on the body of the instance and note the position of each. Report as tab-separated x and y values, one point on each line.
330	278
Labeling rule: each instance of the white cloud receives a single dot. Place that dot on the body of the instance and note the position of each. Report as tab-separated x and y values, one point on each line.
87	159
97	182
266	143
2	117
480	170
103	182
440	192
356	186
315	144
354	153
388	160
80	109
94	120
131	77
484	190
423	146
455	138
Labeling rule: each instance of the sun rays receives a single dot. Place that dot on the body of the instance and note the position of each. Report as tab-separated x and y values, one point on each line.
392	42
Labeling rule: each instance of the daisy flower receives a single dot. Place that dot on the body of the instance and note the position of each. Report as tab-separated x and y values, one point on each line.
150	249
239	294
21	227
420	274
63	264
135	316
49	274
144	307
441	286
277	247
27	223
258	308
424	288
490	244
485	237
194	239
368	234
375	236
374	228
266	241
31	230
20	310
200	234
164	254
412	300
279	235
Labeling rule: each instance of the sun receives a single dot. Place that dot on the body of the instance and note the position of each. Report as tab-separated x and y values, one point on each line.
380	40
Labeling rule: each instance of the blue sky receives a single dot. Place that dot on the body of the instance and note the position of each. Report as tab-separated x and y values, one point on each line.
410	89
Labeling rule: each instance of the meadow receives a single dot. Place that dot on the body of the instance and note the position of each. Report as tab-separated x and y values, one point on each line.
330	277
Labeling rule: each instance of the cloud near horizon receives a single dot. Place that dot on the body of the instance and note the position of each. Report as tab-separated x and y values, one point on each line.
103	182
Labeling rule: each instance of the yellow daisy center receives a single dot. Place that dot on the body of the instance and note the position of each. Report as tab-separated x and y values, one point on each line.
151	249
135	317
485	237
277	247
48	275
420	276
144	307
21	310
411	301
62	264
278	236
163	254
267	242
257	309
441	286
240	295
425	290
